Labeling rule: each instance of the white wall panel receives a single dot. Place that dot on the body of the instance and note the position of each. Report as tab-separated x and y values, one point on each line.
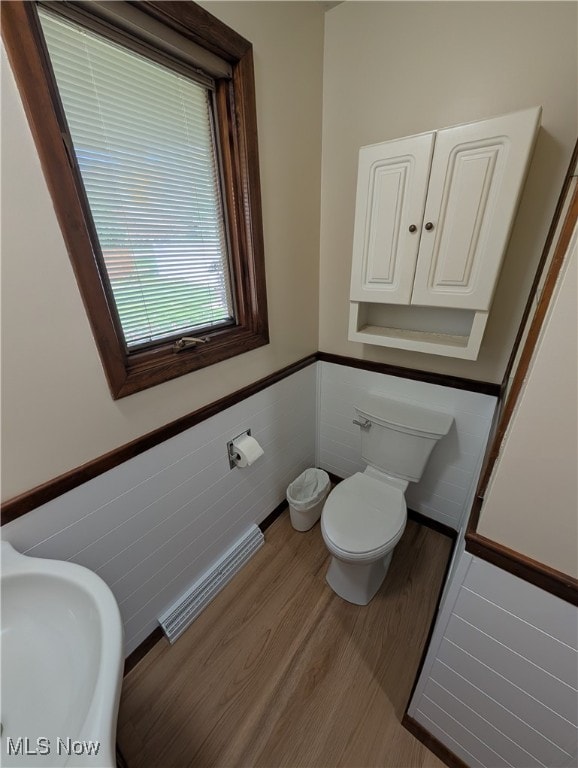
501	673
508	663
446	489
466	743
538	647
519	597
151	526
530	710
506	750
492	710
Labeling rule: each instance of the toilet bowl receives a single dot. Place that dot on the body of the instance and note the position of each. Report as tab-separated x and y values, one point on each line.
362	521
365	515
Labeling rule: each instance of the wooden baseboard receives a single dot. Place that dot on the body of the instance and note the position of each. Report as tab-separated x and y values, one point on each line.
279	509
139	653
435	525
435	746
335	479
120	758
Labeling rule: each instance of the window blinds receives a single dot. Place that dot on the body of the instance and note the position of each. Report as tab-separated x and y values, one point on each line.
143	140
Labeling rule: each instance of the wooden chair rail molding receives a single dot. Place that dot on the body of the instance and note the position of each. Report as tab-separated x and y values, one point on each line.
455	382
29	500
549	579
569	191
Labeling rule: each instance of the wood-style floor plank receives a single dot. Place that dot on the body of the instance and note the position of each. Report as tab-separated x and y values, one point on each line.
279	671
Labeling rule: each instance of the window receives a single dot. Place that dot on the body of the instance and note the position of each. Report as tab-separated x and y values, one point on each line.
144	117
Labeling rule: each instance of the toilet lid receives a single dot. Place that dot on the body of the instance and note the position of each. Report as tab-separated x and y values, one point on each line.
362	514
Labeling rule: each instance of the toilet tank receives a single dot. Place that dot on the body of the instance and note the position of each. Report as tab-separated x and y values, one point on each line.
401	435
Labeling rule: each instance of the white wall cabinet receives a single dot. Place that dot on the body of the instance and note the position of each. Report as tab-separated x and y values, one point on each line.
433	217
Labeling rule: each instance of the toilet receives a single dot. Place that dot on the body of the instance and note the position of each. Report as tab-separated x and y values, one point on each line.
365	515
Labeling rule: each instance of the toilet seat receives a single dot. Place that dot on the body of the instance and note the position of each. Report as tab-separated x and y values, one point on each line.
363	518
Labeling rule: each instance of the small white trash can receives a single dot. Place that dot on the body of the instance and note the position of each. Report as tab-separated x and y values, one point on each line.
306	496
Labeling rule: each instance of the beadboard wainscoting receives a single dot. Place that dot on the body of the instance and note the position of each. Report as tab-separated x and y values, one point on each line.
499	685
446	490
154	524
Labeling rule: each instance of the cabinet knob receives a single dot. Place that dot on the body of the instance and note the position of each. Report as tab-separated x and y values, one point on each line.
412	227
429	226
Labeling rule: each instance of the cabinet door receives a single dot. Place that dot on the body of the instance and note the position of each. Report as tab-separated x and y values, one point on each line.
391	192
477	175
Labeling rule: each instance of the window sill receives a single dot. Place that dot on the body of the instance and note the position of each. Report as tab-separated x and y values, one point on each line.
147	369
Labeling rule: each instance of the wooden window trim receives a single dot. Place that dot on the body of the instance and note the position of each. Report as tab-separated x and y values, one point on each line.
130	373
567	207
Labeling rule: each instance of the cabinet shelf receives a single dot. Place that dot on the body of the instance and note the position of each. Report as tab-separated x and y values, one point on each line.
398	327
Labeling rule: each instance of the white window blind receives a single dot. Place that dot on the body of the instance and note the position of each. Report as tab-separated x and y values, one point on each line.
144	143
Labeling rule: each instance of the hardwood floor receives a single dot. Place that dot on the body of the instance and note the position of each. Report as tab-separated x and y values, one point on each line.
279	671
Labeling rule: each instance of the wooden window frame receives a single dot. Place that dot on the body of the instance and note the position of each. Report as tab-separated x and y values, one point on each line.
128	373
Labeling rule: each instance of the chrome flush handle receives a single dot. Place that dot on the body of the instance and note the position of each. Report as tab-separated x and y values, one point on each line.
365	424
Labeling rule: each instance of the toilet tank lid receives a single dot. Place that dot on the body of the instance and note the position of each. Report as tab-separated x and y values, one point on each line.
404	416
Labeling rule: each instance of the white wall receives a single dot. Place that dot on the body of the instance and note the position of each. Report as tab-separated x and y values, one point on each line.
500	681
531	504
153	525
446	490
57	409
393	69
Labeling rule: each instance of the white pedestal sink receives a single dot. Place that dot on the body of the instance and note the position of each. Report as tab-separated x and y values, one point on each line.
62	662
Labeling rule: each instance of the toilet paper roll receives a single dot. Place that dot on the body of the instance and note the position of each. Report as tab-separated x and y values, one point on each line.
247	450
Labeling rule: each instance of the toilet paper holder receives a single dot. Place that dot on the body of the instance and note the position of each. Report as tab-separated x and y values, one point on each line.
232	454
